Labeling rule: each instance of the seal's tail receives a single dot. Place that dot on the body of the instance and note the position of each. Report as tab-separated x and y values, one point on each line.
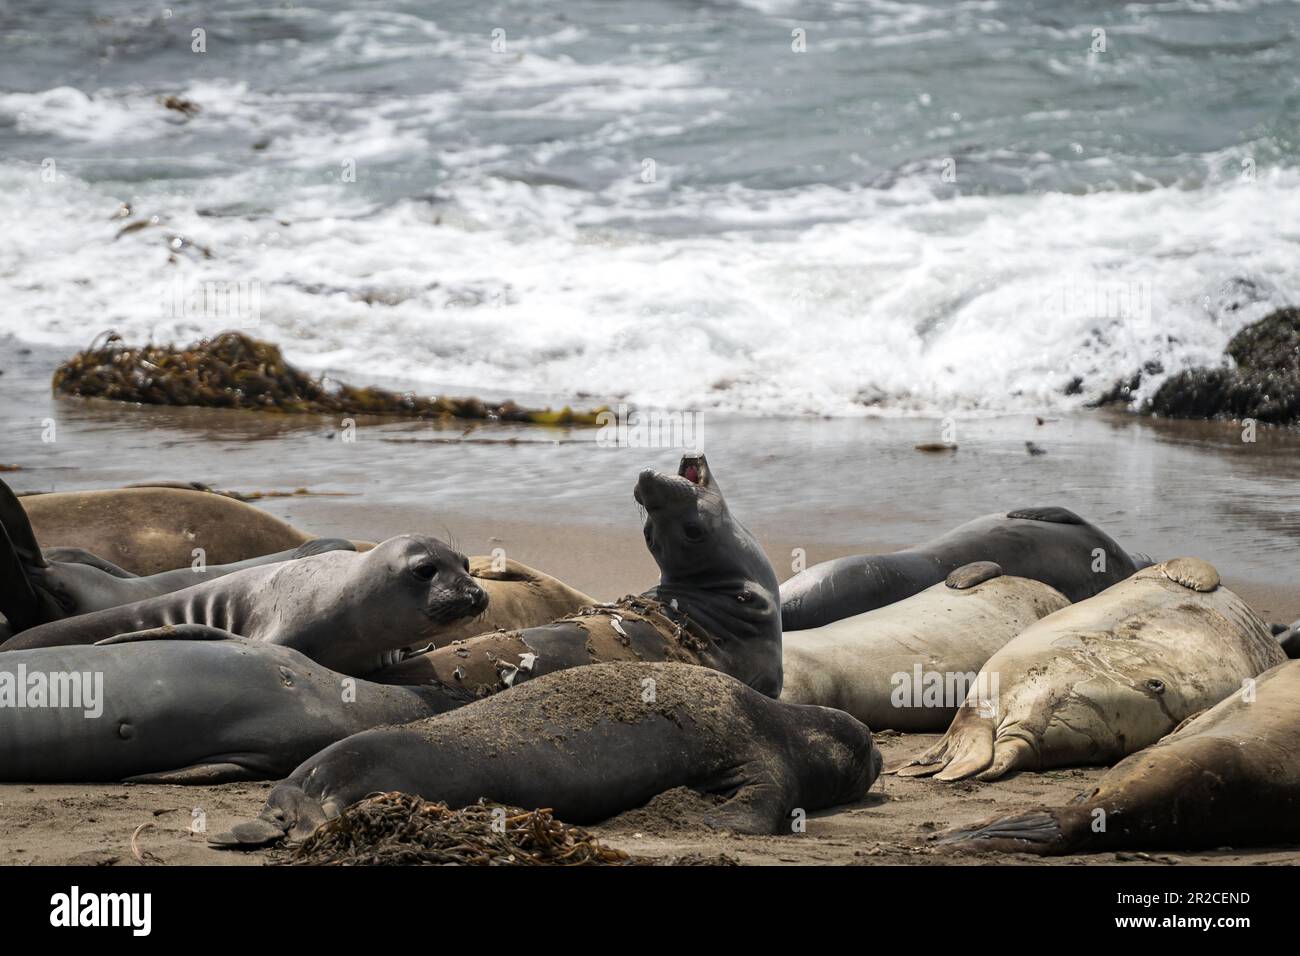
289	814
1036	831
19	553
18	601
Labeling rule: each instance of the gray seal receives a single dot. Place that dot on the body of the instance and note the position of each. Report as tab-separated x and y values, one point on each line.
167	711
590	743
1051	545
346	610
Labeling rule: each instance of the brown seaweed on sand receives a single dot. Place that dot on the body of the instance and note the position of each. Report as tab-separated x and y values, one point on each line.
394	828
233	370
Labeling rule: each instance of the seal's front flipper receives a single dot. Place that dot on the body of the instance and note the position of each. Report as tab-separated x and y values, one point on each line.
1051	514
323	546
173	632
760	807
201	774
82	556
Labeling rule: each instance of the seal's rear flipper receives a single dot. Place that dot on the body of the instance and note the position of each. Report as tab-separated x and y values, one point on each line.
322	546
202	774
18	600
1290	640
14	520
173	632
1141	560
1038	831
289	813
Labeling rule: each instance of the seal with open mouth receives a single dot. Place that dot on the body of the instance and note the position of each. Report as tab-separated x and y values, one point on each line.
1051	545
1229	777
715	605
351	612
590	743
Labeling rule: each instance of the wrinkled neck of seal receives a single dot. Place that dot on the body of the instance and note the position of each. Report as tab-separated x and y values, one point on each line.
713	571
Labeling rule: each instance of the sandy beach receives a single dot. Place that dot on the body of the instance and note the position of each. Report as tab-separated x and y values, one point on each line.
555	500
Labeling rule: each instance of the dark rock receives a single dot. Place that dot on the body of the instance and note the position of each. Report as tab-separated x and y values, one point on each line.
1264	385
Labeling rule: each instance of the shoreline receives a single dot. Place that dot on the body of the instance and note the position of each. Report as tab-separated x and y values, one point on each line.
558	502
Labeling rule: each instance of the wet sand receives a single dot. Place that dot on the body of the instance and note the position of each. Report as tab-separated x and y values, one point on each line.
553	499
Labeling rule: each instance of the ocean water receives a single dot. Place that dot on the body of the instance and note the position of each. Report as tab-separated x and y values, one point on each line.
765	207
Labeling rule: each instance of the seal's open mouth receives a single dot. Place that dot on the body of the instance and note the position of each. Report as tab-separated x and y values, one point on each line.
694	469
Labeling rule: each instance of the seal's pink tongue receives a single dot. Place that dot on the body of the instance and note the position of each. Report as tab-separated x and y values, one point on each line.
692	474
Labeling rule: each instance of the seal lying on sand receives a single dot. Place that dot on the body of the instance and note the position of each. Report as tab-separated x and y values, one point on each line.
518	596
342	609
590	743
166	711
151	529
907	666
1230	777
1051	545
1099	680
715	605
37	586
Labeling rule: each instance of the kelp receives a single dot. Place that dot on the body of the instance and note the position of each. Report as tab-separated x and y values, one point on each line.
399	829
233	370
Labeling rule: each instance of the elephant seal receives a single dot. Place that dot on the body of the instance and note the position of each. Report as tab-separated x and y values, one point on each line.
182	712
518	596
152	529
1104	678
715	605
1051	545
590	743
342	609
1230	777
41	585
908	666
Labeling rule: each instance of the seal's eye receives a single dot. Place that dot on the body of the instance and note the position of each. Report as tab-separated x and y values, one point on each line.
1155	686
693	530
424	572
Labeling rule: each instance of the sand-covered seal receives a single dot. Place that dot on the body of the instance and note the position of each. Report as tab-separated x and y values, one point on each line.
169	711
348	611
1104	678
908	666
40	585
156	528
1230	777
589	743
1052	545
715	605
